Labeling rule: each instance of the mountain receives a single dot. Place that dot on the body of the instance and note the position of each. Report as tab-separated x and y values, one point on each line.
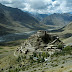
57	19
4	30
65	33
16	20
68	27
39	17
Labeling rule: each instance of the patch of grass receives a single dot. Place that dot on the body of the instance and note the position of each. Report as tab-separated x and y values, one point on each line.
70	71
55	60
1	48
66	50
5	51
54	65
11	48
32	71
1	52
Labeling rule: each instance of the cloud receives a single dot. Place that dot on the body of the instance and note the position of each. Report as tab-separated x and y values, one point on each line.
5	1
14	3
41	6
66	5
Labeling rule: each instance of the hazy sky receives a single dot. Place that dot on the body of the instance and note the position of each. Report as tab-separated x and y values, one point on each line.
41	6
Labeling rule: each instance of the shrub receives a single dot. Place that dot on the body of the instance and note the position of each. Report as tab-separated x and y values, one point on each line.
16	70
35	70
39	54
43	71
42	59
62	66
31	57
60	46
11	70
34	54
19	59
39	61
55	54
47	54
67	49
43	54
54	65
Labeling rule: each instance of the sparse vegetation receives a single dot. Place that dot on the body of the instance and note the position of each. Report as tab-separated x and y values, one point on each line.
1	48
62	66
70	71
35	60
66	50
19	59
60	46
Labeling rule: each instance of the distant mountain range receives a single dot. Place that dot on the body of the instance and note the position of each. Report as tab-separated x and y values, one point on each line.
14	20
57	19
39	17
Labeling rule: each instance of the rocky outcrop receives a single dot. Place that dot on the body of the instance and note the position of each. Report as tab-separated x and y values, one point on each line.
41	41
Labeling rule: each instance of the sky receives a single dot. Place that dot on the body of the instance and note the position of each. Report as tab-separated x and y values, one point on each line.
41	6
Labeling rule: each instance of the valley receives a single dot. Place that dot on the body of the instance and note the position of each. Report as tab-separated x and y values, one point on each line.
16	36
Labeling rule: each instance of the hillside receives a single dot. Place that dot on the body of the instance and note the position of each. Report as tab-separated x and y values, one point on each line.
68	34
68	27
4	31
17	20
39	17
65	33
41	52
57	19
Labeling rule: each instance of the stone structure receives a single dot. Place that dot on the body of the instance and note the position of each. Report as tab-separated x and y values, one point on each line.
41	41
